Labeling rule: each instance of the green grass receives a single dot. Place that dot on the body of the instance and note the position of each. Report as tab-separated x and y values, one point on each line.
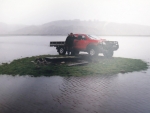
101	66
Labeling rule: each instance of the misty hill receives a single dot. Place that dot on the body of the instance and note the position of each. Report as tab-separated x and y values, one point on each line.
64	27
3	28
9	29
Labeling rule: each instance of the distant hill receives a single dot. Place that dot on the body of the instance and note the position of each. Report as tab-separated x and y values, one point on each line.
3	28
9	29
63	27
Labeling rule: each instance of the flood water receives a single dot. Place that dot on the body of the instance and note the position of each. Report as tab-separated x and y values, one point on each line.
120	93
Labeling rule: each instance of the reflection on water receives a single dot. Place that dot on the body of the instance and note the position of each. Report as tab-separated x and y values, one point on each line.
121	93
90	94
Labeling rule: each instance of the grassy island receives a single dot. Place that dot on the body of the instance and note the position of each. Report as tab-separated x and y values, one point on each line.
95	66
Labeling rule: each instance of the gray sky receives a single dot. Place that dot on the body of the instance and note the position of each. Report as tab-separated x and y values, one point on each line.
42	11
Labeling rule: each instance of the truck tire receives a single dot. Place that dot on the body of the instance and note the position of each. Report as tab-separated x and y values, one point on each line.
61	51
92	51
108	53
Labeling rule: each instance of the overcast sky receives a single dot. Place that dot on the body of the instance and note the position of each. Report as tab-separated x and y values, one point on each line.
36	12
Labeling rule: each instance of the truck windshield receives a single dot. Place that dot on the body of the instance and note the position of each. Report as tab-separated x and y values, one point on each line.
93	37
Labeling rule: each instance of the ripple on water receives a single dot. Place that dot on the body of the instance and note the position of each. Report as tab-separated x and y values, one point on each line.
90	94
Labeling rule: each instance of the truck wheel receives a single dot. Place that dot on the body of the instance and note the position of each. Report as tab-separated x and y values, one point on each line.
92	52
61	51
108	53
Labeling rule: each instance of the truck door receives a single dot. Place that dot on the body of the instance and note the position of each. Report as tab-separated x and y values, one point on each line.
80	42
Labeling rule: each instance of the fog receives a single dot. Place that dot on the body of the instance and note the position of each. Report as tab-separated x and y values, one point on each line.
37	12
117	93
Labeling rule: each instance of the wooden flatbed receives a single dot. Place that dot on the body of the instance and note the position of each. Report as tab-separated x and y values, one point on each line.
57	43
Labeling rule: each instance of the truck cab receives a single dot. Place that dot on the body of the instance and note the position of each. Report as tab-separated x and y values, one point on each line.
82	41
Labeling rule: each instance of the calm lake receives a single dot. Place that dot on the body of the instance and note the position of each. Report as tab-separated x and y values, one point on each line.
120	93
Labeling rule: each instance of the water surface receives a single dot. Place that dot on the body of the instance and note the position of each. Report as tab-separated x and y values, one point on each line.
120	93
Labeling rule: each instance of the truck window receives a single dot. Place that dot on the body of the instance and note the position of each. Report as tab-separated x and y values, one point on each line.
81	37
93	37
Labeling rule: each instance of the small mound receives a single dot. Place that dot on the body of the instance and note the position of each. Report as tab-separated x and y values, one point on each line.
40	66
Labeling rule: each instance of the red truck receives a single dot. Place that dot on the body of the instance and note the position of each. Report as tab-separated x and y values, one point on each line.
87	43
